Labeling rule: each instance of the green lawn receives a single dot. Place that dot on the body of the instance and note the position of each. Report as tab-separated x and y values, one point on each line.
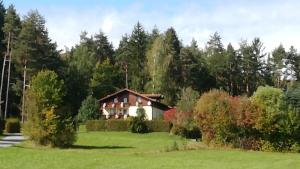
125	150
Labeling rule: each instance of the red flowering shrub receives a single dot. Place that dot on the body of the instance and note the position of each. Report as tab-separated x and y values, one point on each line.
226	119
170	115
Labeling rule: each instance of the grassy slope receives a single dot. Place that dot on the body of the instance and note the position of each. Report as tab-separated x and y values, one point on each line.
126	150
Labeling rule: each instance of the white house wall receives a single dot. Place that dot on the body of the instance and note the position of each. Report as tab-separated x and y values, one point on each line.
148	111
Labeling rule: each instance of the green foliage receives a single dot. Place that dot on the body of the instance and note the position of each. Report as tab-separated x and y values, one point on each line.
89	110
95	125
117	125
138	124
124	125
106	79
48	88
270	101
12	125
48	122
158	126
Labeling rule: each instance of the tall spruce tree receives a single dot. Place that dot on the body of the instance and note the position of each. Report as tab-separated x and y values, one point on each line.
34	47
131	56
217	61
293	61
234	70
252	64
104	49
172	48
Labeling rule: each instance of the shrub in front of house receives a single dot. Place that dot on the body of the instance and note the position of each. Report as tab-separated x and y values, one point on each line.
12	125
158	126
48	122
96	125
124	125
117	125
89	110
138	123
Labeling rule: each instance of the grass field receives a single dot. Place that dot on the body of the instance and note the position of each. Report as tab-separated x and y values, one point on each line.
118	150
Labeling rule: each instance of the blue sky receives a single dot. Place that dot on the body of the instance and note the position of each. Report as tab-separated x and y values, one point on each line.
274	21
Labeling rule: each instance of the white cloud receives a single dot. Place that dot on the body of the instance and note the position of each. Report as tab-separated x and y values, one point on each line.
274	22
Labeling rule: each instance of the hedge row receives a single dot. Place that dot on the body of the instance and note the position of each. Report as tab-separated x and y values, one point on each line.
123	125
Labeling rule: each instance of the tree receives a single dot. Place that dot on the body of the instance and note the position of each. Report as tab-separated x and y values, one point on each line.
89	110
106	79
78	72
293	61
185	107
48	121
194	69
252	65
2	22
104	49
217	61
278	57
34	48
132	55
173	78
156	63
234	70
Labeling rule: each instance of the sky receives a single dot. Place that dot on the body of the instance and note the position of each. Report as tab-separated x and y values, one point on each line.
274	21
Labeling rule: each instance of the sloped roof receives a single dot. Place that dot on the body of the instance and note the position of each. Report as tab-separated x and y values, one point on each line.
136	93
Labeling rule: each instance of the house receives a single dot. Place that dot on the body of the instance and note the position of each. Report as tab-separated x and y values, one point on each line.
125	103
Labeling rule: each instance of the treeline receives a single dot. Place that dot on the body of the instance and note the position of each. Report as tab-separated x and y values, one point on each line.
152	62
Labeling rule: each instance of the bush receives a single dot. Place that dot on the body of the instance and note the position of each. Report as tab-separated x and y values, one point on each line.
96	125
170	115
89	110
117	125
193	133
137	124
12	125
225	119
48	122
124	125
158	126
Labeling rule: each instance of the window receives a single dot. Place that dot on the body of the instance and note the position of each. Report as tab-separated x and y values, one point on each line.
125	100
115	100
138	99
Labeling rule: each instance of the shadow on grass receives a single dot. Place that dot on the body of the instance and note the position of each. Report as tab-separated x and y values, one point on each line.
86	147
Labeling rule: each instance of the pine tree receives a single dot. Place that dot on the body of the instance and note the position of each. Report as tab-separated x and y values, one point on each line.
172	48
34	47
293	60
252	65
106	79
234	70
131	56
104	49
217	61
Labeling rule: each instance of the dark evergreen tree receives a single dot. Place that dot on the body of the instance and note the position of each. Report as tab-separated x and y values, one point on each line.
34	47
234	70
172	48
252	64
104	49
217	61
293	61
